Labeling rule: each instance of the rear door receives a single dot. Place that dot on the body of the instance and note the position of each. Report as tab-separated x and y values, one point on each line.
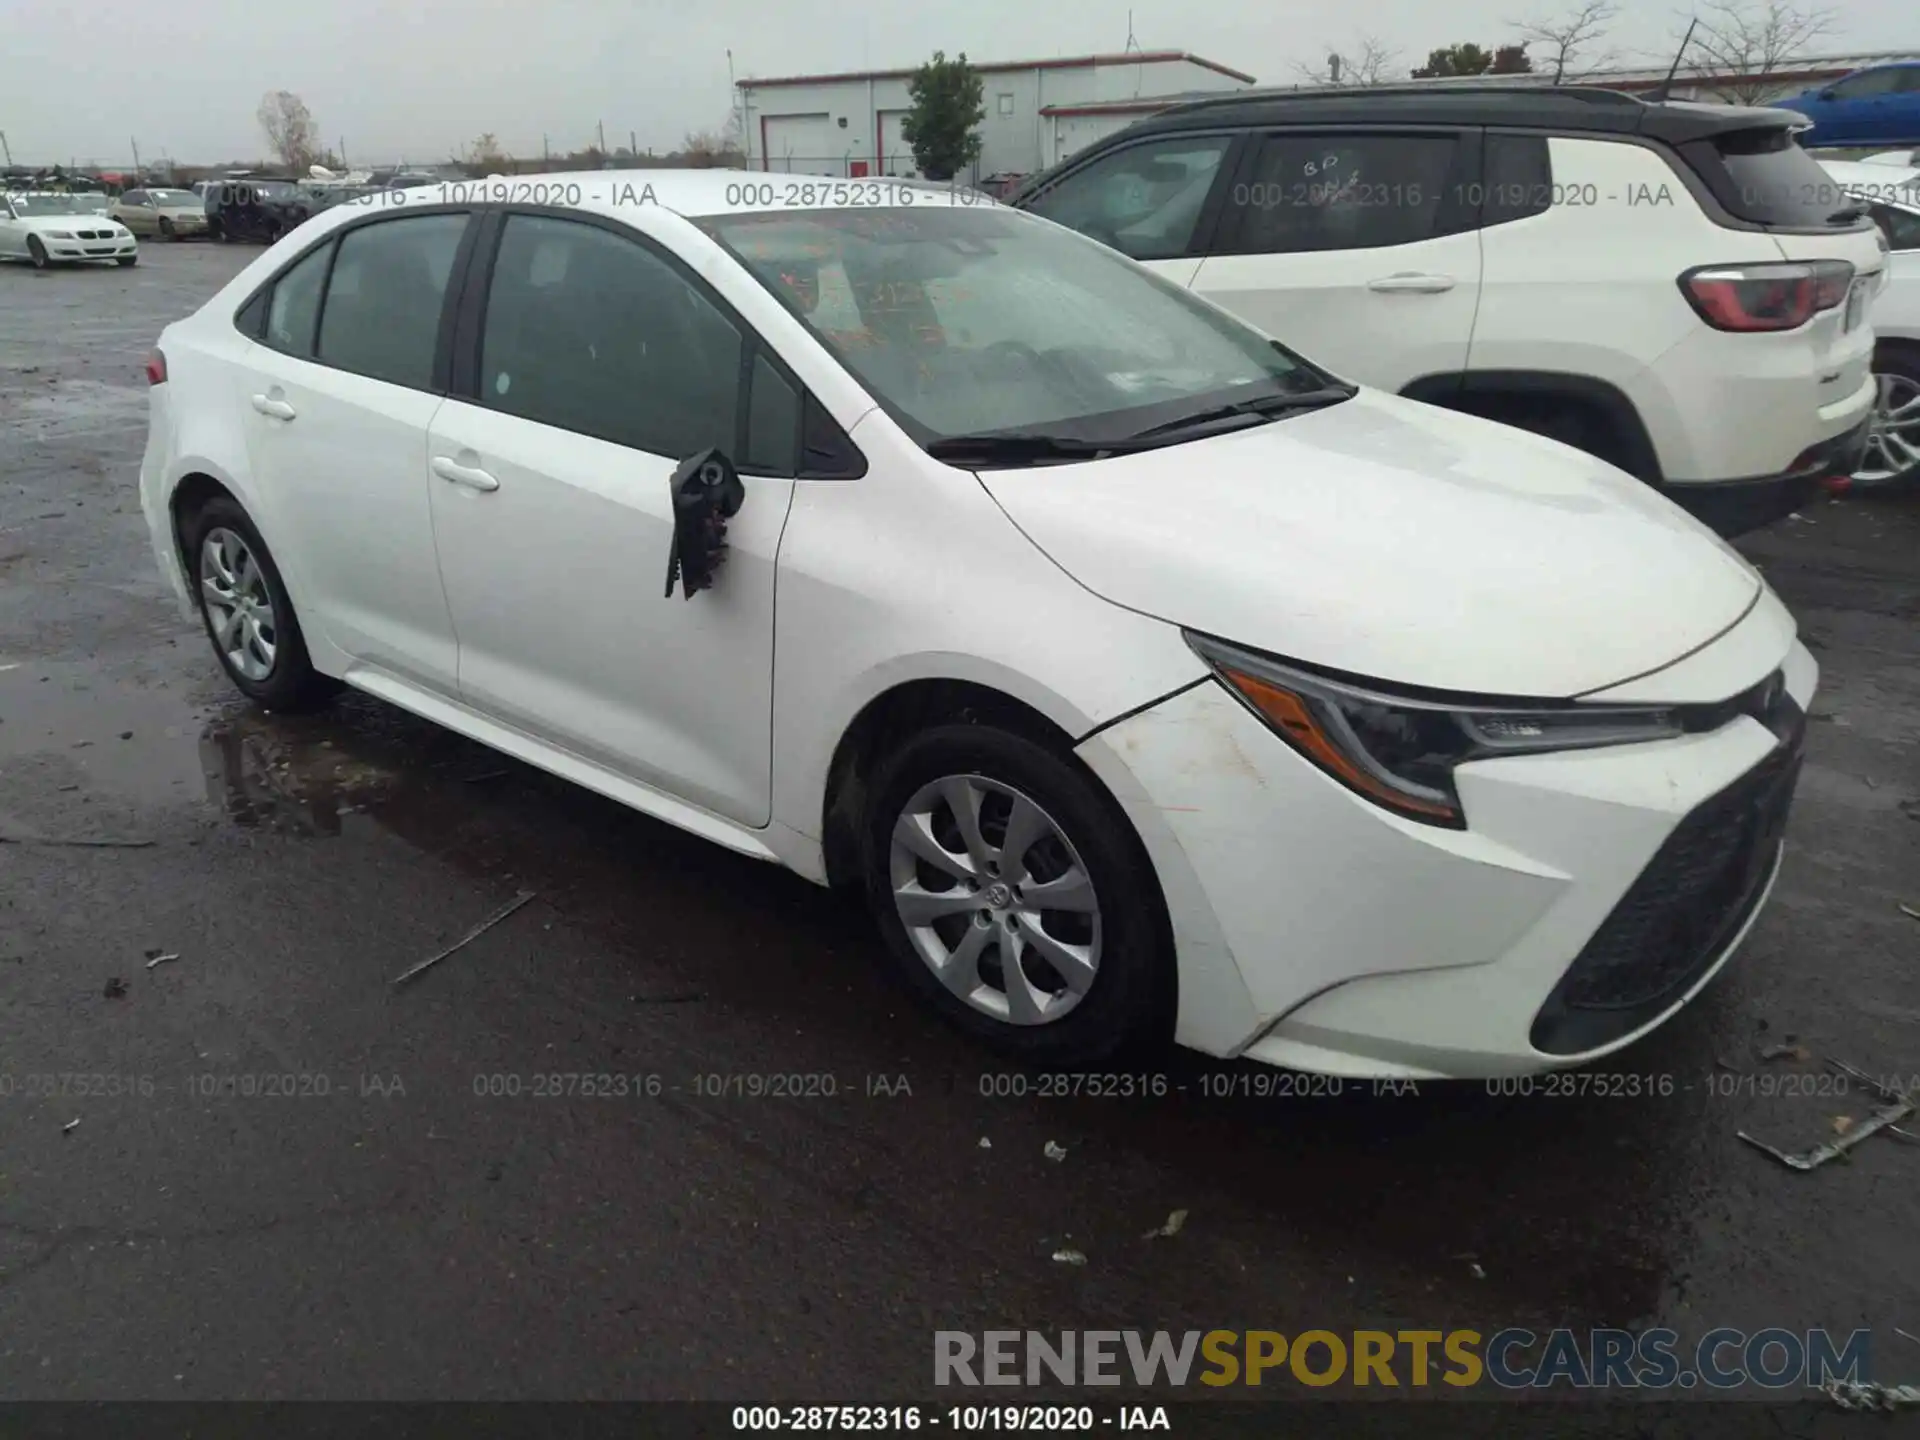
1356	248
1157	200
337	397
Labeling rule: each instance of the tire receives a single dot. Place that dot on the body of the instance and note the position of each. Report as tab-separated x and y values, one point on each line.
1124	1002
1897	369
38	253
167	232
288	681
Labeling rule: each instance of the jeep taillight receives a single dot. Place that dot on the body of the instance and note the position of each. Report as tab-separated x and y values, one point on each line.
156	369
1766	297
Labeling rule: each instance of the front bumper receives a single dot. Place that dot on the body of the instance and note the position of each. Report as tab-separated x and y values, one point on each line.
91	249
1734	507
1546	934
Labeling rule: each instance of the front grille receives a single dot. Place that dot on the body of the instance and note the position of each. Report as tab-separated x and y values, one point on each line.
94	234
1684	909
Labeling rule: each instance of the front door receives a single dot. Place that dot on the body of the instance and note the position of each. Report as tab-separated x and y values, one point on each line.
601	366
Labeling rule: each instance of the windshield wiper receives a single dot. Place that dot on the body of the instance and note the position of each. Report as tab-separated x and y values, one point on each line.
1266	407
1014	447
1847	214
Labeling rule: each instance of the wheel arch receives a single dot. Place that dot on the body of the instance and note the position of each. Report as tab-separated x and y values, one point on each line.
1501	394
888	717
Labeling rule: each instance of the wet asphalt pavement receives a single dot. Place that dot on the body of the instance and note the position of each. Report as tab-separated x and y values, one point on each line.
389	1230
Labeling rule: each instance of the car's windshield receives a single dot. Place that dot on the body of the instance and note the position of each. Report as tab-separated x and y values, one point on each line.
966	321
52	204
173	197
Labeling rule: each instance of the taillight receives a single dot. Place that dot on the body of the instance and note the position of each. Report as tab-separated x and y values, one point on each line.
1766	297
156	369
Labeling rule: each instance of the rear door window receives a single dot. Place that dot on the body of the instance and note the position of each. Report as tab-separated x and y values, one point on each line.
382	313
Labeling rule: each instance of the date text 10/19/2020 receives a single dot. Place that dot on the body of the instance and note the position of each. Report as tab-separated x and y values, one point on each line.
789	194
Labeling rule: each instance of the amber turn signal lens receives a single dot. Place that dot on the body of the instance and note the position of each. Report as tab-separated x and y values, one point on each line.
1298	725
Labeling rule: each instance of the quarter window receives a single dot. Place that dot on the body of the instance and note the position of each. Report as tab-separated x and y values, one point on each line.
1342	192
1518	179
1144	201
773	421
595	333
295	306
382	312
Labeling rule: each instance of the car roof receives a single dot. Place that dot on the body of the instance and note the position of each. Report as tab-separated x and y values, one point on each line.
1567	108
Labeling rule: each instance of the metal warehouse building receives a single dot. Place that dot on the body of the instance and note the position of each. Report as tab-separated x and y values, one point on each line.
1038	111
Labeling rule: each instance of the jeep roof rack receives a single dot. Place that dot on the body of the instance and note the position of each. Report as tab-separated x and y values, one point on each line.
1566	108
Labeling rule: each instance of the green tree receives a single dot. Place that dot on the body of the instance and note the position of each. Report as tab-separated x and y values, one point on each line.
947	103
1471	59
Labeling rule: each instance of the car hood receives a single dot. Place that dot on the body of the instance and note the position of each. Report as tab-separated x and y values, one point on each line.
89	221
1397	541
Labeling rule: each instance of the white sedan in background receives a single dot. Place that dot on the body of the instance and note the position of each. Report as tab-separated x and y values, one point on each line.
1150	681
1892	194
61	229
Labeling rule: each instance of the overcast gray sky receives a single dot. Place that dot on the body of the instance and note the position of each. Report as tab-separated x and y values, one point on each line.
414	81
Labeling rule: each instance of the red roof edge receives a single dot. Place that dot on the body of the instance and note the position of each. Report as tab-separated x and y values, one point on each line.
1076	62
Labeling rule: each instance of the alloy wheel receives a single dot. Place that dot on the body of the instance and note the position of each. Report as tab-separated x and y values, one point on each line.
239	606
1893	445
995	899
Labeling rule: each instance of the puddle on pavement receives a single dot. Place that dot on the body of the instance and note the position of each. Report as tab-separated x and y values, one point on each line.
266	772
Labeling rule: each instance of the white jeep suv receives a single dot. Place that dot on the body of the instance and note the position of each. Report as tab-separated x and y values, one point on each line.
1674	288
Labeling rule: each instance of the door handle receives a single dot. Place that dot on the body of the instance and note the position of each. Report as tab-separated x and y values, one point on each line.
463	474
278	409
1408	281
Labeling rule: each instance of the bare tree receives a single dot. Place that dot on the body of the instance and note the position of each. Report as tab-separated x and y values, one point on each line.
1367	61
1740	44
291	133
1566	41
484	157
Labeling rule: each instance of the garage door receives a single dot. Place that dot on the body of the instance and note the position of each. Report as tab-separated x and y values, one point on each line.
799	144
896	155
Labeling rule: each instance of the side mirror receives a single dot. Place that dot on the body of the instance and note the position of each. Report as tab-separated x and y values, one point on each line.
706	493
1824	95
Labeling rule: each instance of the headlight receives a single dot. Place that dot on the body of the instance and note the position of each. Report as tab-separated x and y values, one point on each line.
59	234
1399	751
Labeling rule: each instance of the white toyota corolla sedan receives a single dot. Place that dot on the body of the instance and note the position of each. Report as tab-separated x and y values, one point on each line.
1149	680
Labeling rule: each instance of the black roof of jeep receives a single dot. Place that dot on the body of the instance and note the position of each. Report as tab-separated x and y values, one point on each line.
1570	108
1562	109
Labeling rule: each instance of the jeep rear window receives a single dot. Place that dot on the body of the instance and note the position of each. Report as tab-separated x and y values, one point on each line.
1762	176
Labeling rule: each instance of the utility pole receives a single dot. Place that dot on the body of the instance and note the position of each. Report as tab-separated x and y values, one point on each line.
633	143
343	152
6	147
600	144
136	160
